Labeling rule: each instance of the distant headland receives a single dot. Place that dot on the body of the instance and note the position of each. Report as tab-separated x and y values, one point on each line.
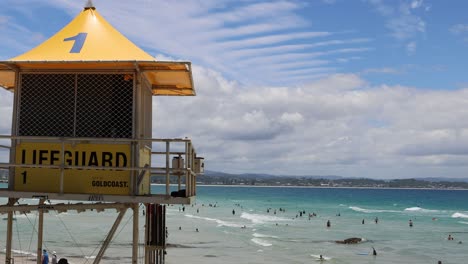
221	178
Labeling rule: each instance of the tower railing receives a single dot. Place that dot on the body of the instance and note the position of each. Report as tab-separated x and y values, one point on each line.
162	150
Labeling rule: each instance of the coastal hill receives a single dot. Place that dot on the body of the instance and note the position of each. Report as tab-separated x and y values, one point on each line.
252	179
221	178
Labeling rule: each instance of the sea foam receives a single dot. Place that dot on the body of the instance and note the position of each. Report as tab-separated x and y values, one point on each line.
419	209
459	215
261	242
262	219
218	221
362	210
262	235
22	252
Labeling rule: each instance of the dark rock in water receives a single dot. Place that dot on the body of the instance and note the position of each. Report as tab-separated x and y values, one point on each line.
351	240
169	245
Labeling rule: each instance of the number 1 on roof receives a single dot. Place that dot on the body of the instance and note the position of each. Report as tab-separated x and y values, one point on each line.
79	39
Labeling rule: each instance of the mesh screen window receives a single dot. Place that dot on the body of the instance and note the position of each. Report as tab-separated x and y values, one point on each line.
76	105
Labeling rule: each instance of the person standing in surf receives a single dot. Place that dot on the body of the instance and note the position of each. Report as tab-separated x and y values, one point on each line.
45	257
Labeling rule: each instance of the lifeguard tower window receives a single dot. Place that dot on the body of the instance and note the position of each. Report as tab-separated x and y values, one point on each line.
76	105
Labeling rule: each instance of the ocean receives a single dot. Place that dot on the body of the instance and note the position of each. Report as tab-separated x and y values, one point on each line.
264	225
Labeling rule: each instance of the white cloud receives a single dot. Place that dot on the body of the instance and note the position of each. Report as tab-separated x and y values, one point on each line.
385	70
406	27
292	118
416	4
6	110
411	47
459	29
230	38
330	124
335	125
338	125
405	21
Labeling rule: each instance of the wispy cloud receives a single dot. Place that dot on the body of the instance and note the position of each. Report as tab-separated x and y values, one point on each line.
404	20
411	47
459	29
228	35
385	70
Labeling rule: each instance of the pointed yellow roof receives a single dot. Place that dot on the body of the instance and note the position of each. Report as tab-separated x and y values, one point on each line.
89	42
88	37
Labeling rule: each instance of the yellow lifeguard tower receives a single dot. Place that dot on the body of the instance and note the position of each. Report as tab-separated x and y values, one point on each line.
82	129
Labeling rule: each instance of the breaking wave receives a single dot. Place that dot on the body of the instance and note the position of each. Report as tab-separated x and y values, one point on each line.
262	219
261	242
459	215
23	252
218	221
263	236
363	210
419	209
407	210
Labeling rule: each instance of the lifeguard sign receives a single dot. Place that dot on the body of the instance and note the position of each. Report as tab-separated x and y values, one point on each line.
83	111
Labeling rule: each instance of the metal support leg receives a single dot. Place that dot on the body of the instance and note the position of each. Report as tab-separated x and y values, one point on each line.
135	233
109	237
9	240
40	230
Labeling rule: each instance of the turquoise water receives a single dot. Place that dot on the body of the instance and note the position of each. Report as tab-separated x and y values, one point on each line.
253	235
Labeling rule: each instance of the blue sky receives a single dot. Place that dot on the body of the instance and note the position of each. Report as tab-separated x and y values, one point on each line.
356	88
